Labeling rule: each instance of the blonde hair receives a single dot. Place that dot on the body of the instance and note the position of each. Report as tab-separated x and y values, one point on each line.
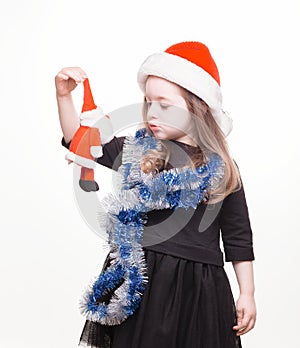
210	139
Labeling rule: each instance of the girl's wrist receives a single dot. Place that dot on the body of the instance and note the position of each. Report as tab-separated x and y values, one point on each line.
63	96
247	293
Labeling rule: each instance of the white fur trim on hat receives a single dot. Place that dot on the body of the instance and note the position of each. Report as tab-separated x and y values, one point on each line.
224	121
189	76
89	118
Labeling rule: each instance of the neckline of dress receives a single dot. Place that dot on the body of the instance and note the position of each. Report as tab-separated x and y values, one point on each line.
184	144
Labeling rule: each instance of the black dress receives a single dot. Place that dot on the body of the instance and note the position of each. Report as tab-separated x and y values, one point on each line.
187	302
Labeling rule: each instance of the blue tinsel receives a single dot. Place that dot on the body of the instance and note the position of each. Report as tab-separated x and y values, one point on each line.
171	189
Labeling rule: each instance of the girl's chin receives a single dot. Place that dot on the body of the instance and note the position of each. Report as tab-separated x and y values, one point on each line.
159	134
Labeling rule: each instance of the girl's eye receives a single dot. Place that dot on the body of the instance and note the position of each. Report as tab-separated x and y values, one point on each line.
162	105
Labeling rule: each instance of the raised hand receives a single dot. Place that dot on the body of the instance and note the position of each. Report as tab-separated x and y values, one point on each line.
67	80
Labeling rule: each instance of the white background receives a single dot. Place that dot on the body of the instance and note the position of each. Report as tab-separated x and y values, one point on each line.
48	253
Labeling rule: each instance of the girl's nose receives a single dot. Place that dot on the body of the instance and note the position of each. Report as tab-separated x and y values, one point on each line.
152	110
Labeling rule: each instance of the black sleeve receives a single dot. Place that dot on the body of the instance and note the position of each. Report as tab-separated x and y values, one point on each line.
236	229
112	152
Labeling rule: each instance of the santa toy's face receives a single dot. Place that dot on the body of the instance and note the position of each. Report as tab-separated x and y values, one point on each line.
167	113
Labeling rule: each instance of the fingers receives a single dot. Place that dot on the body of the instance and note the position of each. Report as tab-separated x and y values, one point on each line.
75	73
62	76
244	323
245	326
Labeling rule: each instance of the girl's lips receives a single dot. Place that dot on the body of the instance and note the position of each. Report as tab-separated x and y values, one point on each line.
153	126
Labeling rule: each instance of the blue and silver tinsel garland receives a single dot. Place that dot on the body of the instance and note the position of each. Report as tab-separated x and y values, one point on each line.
125	279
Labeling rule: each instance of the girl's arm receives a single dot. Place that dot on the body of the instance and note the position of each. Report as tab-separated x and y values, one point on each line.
68	117
245	277
238	246
245	306
65	82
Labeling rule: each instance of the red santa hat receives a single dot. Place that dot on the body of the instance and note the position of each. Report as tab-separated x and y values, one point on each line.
90	112
93	115
88	100
191	66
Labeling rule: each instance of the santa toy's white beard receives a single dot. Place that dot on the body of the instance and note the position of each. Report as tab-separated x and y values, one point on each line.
97	119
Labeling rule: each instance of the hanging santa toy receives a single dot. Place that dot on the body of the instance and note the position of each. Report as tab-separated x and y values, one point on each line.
86	146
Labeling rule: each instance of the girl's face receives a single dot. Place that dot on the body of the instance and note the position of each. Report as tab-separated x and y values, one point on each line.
168	116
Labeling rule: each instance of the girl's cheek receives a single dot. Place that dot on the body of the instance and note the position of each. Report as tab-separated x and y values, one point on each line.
182	119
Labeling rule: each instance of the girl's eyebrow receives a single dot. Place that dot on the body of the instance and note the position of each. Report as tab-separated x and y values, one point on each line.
158	98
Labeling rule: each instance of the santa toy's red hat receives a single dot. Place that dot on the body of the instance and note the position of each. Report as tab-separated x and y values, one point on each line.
91	114
190	65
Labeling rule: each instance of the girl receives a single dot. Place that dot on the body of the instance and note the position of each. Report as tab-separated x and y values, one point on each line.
167	287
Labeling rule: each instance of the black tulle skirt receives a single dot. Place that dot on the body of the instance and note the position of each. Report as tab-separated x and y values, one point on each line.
186	304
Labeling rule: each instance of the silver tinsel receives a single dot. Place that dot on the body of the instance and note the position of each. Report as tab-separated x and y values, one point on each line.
124	220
